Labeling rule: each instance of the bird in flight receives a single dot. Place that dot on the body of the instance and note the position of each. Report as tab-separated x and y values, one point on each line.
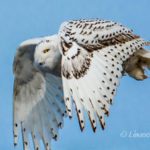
80	67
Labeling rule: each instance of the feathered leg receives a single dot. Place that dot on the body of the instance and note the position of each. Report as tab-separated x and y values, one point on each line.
136	65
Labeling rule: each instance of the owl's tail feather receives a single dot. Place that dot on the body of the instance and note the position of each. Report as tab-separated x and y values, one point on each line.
137	64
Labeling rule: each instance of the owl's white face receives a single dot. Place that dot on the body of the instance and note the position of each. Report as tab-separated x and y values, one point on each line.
47	54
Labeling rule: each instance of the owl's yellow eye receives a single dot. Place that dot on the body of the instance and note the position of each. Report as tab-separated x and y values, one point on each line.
46	50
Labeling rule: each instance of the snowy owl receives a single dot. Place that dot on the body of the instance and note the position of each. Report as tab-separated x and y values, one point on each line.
80	67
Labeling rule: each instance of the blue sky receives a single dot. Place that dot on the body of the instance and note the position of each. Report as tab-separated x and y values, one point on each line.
24	19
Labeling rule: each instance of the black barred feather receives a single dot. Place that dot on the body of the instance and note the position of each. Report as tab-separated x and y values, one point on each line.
94	62
89	57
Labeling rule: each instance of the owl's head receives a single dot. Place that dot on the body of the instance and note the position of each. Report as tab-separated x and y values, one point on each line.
47	54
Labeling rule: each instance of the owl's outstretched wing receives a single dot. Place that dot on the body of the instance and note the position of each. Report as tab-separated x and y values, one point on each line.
38	104
94	52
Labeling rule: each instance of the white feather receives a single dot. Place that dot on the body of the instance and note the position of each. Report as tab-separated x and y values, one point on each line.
97	86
